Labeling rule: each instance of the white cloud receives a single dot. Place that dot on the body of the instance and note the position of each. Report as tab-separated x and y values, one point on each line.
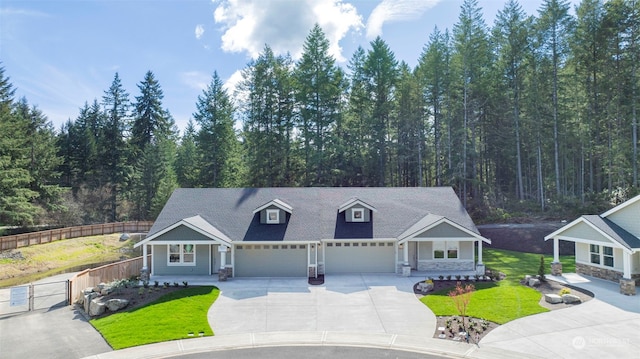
248	25
199	31
396	10
195	79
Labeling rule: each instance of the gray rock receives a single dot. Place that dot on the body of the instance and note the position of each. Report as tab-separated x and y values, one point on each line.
552	298
124	237
571	299
87	298
96	307
527	278
101	286
88	290
115	305
534	282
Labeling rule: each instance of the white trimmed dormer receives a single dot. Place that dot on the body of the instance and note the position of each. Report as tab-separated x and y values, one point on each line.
273	212
356	210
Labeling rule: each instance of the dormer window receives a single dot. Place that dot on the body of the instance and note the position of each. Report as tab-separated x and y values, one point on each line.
273	212
357	215
273	216
356	210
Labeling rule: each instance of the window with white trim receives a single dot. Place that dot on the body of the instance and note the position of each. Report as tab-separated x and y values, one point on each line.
273	216
594	251
445	250
181	255
607	256
357	215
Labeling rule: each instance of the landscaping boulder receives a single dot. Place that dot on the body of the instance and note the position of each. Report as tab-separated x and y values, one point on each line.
534	282
553	298
527	278
96	307
571	299
115	305
86	301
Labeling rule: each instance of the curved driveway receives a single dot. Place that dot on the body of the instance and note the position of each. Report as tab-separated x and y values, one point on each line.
364	303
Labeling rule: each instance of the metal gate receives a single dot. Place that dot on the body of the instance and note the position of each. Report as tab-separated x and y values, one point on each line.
31	296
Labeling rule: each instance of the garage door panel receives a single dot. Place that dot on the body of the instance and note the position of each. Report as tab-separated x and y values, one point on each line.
271	261
361	257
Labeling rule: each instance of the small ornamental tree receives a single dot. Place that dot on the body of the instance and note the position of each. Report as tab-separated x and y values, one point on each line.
541	269
461	297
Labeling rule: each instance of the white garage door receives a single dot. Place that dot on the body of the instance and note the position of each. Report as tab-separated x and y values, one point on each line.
262	260
359	257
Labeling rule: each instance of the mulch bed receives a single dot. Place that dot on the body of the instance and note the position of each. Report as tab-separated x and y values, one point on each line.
452	325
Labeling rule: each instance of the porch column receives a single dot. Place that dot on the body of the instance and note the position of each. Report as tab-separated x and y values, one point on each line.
405	253
144	271
626	265
222	273
480	251
556	250
627	285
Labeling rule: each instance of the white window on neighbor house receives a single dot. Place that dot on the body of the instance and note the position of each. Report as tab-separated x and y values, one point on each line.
182	254
357	215
273	216
607	256
594	251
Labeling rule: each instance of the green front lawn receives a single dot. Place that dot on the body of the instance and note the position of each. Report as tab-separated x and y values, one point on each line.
173	316
506	300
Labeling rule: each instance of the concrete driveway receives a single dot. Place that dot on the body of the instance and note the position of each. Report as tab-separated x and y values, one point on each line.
365	303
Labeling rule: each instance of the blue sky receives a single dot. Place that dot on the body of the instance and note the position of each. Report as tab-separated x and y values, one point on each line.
60	53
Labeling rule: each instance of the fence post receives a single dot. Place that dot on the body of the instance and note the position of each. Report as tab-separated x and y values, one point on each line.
31	299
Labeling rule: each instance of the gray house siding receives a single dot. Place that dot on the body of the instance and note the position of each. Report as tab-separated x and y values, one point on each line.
161	267
183	233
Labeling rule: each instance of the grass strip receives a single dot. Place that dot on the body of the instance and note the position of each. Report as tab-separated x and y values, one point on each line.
177	315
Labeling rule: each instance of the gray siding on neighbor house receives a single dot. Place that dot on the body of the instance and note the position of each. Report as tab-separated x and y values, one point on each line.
628	218
584	231
348	214
466	250
161	266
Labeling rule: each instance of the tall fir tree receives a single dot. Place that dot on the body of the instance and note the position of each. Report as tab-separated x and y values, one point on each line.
217	144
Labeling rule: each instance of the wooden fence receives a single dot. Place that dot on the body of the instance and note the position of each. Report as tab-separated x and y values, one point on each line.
28	239
105	274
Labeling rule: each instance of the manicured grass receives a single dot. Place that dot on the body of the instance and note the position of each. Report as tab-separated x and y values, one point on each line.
171	317
502	301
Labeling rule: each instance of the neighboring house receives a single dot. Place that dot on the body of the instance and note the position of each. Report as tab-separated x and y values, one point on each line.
607	245
299	232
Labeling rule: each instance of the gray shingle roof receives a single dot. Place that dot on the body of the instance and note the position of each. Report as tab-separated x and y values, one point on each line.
614	231
315	211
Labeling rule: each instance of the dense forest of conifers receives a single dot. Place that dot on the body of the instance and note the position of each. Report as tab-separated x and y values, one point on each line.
528	115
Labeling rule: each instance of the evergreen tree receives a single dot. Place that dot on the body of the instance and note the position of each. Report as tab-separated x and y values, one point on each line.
150	120
319	89
114	148
16	196
268	115
187	166
217	145
381	71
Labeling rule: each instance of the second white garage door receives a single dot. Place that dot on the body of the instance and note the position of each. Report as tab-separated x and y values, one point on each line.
359	257
262	260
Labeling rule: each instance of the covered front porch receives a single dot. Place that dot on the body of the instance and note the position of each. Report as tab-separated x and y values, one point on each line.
603	250
437	246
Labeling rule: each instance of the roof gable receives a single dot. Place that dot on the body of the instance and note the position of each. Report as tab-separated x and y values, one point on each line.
277	203
195	223
635	201
594	228
440	227
353	202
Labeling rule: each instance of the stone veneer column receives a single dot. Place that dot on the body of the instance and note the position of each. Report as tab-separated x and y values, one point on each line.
627	286
556	268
